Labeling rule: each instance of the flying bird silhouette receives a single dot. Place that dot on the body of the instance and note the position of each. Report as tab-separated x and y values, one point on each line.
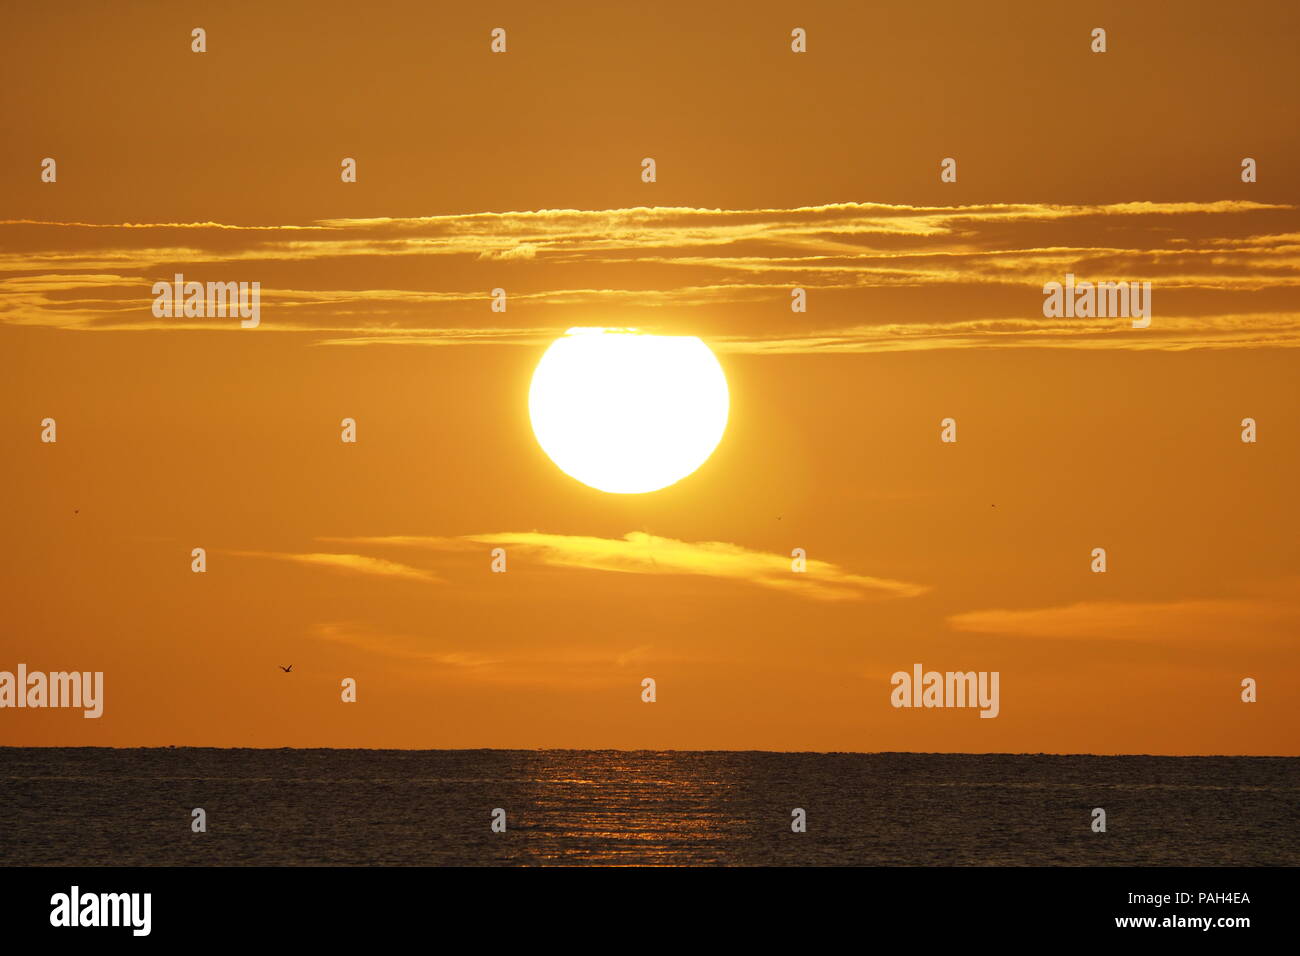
285	669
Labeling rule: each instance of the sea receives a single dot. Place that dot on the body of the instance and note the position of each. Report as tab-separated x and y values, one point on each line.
303	807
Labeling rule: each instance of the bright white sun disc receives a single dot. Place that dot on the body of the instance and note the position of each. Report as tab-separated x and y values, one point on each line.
625	412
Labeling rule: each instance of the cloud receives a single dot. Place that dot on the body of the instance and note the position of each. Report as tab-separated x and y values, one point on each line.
355	563
1225	274
596	664
1196	619
1173	333
404	646
641	553
524	250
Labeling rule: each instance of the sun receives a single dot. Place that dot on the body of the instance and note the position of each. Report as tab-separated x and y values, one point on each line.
626	412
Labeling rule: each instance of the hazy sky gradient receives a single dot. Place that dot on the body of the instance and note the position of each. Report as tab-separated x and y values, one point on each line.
372	560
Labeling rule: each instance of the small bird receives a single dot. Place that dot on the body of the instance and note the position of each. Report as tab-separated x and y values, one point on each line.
285	669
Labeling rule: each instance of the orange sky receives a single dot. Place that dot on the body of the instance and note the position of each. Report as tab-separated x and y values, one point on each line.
775	170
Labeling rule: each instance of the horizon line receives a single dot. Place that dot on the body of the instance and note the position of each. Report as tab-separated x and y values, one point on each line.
642	750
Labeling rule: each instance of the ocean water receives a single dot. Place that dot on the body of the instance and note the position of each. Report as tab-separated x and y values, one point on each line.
92	806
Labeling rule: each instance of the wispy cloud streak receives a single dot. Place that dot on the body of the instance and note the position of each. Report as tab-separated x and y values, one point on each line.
984	263
641	553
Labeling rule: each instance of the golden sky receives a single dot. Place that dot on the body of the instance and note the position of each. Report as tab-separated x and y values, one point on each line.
775	170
